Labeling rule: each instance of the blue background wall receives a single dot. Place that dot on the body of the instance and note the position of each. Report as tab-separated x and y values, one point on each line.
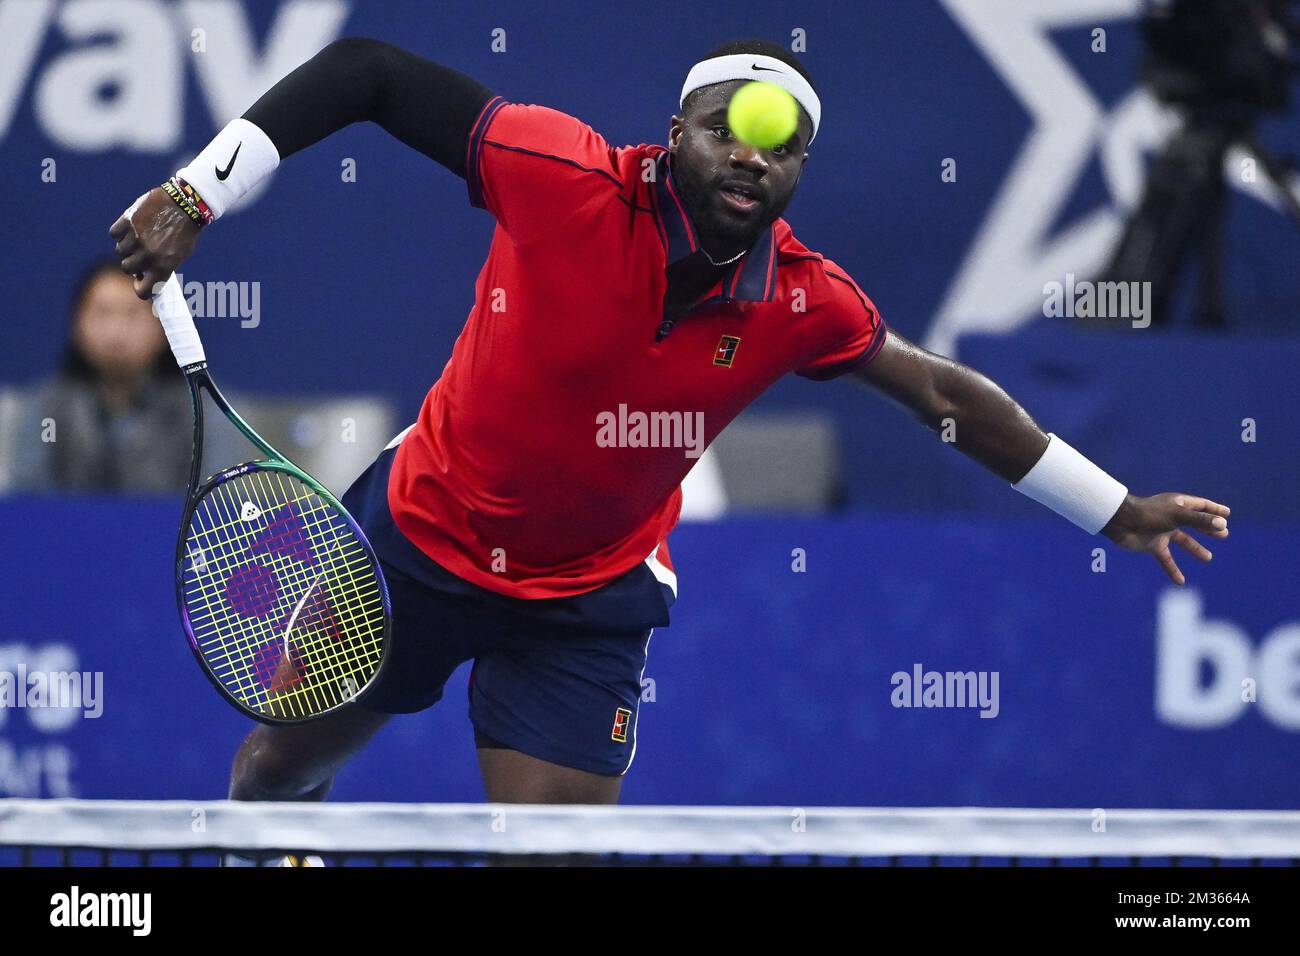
903	86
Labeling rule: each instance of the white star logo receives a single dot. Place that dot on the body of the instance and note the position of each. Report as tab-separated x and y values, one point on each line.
999	285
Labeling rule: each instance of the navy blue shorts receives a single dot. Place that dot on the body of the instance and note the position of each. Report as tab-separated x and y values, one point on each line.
556	678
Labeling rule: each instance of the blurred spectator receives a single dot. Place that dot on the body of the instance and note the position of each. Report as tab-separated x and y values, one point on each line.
116	417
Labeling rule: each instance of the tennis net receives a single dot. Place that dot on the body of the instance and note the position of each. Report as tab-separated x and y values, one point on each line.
180	833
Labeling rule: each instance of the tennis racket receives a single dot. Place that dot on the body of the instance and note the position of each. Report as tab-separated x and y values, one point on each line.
280	594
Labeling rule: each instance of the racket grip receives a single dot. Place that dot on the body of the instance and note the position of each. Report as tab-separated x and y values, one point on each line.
174	314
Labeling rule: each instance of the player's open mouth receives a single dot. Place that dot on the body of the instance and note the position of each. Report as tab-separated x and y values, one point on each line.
740	198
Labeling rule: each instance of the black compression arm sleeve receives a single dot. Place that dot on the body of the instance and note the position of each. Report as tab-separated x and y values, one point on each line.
427	106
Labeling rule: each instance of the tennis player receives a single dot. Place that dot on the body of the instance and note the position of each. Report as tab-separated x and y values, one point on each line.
522	520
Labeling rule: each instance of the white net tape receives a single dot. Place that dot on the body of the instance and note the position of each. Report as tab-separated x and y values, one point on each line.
515	828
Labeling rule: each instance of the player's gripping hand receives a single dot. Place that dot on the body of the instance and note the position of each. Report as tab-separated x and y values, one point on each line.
153	237
1150	524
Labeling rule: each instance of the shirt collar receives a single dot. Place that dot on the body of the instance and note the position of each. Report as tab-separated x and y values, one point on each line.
751	278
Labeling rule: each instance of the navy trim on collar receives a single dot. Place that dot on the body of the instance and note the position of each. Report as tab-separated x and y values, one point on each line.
752	278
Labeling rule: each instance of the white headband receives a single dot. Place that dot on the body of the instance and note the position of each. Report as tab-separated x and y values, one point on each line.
755	66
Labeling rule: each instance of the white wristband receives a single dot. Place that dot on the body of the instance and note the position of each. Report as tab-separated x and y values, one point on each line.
236	160
1072	486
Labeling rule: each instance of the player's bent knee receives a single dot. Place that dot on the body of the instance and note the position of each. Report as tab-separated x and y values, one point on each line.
265	769
298	762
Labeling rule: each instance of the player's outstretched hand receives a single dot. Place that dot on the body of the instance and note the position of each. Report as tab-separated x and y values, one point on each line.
153	237
1150	524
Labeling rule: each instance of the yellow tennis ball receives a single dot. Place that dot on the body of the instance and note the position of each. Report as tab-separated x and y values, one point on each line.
763	114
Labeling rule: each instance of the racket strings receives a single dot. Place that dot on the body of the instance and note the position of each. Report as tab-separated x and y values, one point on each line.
282	569
294	652
281	595
270	657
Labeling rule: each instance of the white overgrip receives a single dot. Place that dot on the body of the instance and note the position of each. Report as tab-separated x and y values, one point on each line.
174	313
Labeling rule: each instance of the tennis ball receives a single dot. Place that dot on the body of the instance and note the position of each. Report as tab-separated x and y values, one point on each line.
762	114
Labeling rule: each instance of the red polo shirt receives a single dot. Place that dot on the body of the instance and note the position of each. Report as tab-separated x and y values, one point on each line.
527	472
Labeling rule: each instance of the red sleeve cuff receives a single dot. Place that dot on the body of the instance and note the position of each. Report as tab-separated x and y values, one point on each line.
863	358
473	177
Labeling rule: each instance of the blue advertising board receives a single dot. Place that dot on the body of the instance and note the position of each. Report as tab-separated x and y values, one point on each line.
910	661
